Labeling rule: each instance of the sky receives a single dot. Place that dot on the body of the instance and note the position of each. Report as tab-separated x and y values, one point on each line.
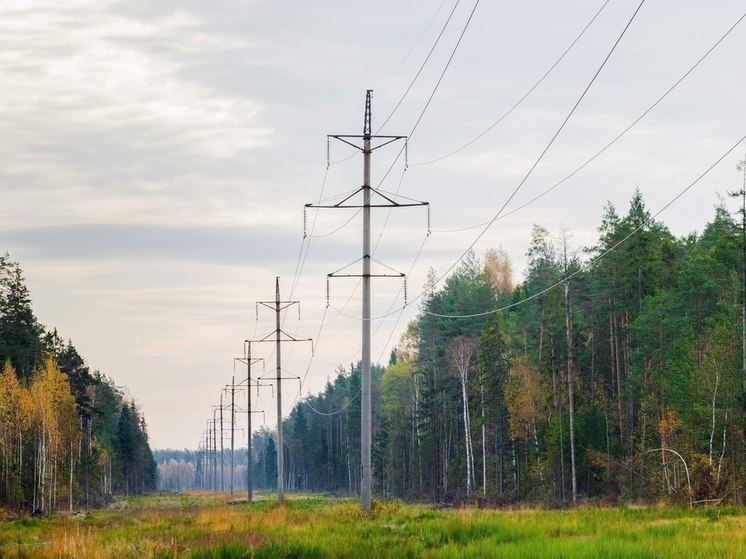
156	158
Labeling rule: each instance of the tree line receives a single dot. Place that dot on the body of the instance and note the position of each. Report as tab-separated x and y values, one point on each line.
609	372
68	436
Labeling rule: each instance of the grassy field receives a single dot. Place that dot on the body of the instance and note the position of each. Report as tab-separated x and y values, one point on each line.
206	526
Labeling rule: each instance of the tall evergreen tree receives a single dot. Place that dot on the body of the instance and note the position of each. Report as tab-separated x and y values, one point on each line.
20	332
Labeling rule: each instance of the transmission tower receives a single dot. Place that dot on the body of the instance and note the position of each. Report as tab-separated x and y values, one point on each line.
366	478
248	361
280	336
231	389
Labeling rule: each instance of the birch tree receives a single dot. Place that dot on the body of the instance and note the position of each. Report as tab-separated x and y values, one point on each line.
461	352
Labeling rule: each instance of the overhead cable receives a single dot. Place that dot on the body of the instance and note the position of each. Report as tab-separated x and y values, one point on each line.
422	67
525	95
414	46
329	414
544	151
613	141
593	261
435	89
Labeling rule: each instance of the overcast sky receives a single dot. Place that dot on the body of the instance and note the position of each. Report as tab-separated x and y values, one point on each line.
156	158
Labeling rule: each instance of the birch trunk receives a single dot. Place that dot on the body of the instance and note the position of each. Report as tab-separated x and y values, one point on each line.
462	350
72	468
714	399
467	439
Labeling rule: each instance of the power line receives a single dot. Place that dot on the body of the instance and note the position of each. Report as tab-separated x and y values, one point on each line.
570	276
600	152
310	361
417	42
366	441
278	305
302	260
357	318
337	412
422	67
338	229
401	310
318	338
422	114
613	141
445	69
380	234
301	256
545	150
523	98
300	264
538	160
426	106
435	89
507	113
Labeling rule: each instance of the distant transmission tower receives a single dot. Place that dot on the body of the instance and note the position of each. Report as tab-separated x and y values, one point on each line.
248	360
278	306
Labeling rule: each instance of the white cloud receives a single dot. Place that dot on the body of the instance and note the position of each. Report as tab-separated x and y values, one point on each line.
156	157
94	101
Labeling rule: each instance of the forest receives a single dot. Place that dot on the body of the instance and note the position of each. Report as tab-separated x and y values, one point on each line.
609	372
69	439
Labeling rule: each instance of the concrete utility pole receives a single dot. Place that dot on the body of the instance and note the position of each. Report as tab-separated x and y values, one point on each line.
280	444
278	306
222	453
205	462
366	437
214	450
233	427
200	470
366	441
249	466
232	389
206	459
218	427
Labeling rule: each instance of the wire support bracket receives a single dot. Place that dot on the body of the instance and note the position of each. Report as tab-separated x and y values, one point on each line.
338	274
389	201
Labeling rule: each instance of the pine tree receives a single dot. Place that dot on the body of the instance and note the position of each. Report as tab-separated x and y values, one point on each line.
20	333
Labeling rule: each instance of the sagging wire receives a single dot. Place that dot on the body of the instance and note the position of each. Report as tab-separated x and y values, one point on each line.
609	144
544	151
523	98
330	414
593	261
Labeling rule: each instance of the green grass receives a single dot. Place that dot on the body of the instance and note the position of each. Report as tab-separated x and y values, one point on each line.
204	526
